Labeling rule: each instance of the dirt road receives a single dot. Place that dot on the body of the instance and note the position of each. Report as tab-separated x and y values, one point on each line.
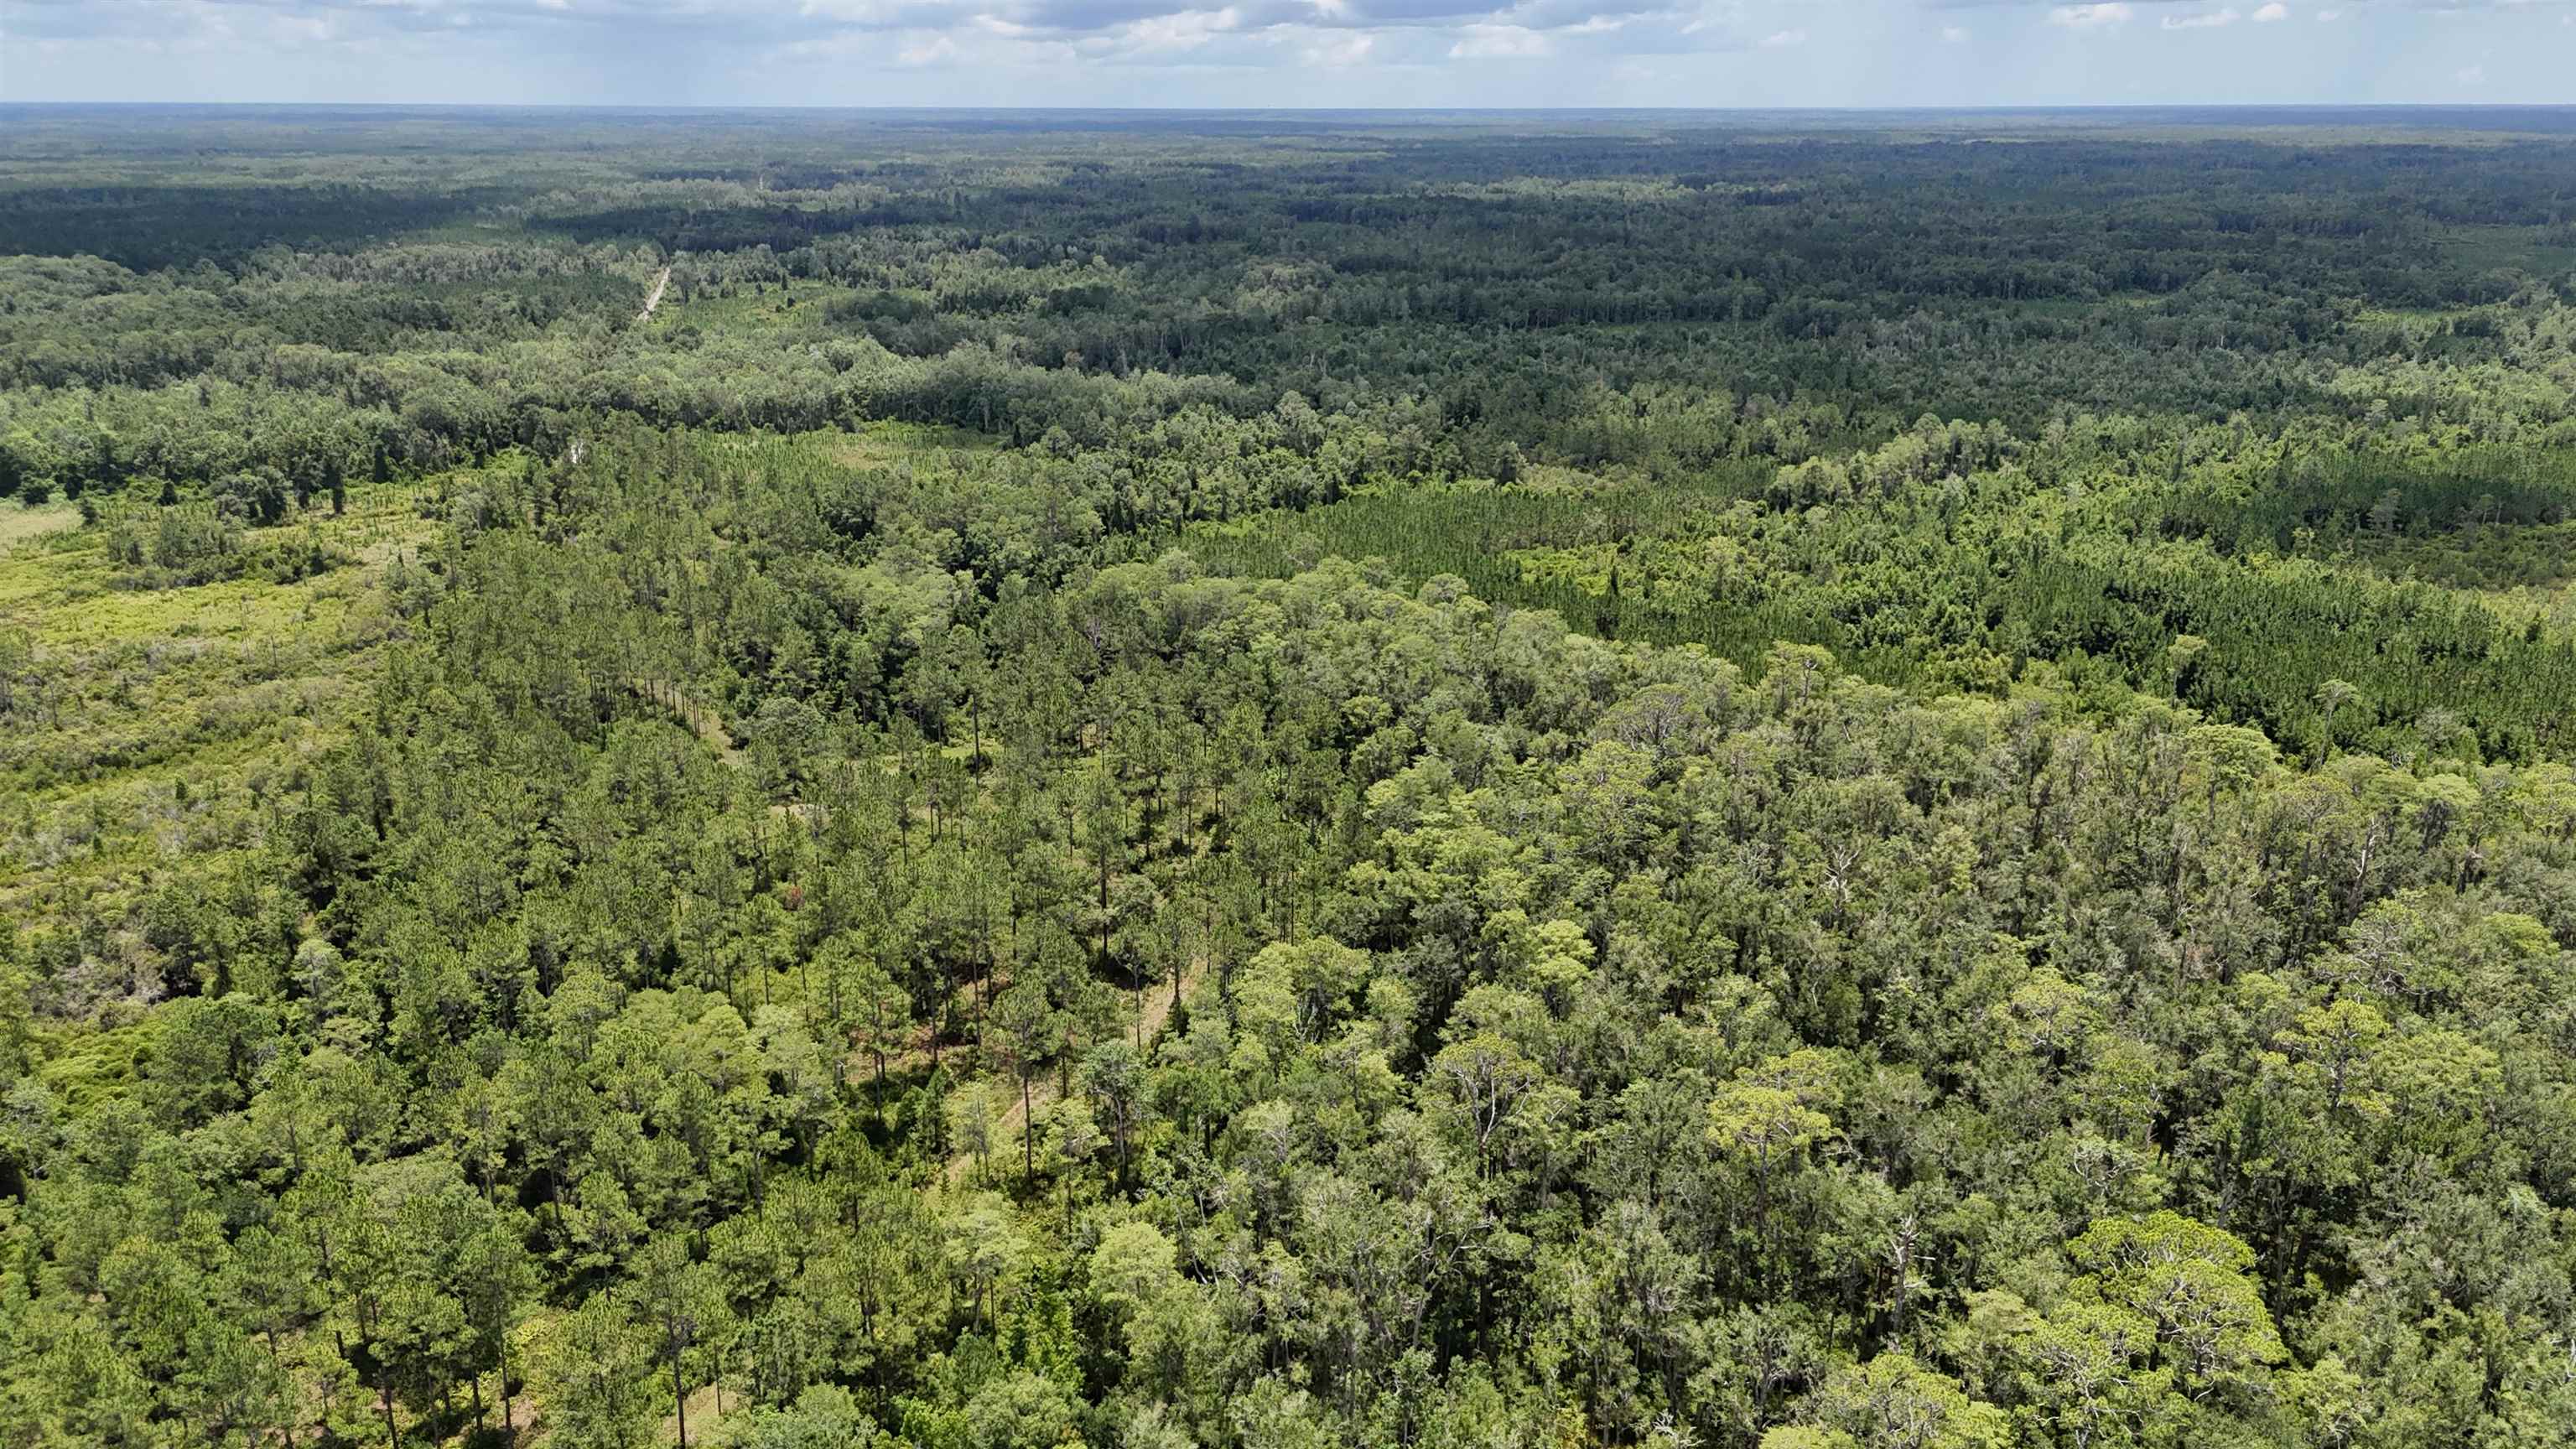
653	298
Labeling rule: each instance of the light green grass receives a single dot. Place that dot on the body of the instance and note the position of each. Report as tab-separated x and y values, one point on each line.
147	724
801	312
19	523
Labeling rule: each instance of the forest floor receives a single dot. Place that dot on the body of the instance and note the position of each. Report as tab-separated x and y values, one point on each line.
701	719
706	1423
1156	1014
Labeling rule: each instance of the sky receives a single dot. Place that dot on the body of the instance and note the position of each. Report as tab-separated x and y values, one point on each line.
1275	53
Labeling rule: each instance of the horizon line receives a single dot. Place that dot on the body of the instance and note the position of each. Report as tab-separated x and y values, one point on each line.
1893	109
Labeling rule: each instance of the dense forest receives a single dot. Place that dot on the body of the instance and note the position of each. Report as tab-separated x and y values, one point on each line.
802	781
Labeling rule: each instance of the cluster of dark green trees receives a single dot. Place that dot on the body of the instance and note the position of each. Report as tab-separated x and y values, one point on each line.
193	320
1278	903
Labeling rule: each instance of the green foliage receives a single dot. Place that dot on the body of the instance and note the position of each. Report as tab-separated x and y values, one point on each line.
624	878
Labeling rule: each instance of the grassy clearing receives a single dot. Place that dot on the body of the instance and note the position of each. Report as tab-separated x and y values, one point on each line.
150	730
19	523
872	445
801	311
890	442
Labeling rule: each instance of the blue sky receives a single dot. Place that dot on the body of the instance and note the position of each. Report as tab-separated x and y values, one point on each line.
1291	52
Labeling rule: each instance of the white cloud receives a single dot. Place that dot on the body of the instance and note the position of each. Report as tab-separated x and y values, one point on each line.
1499	42
1187	30
1344	50
1239	52
2090	17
